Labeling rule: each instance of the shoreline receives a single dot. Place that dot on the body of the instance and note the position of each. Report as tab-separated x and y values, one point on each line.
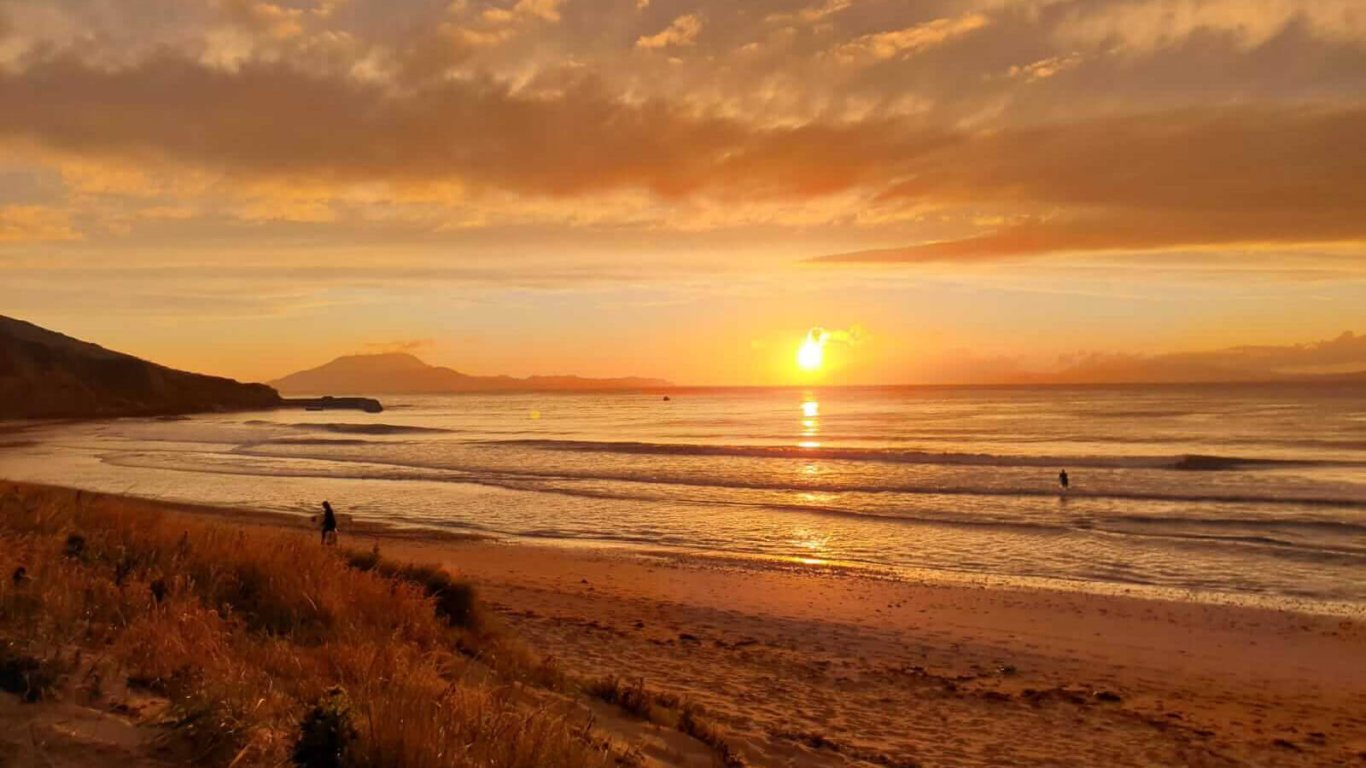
759	562
818	666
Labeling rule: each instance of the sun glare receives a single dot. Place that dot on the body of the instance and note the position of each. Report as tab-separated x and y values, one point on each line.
811	354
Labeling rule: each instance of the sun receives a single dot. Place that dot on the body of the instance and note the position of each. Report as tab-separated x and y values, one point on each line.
811	354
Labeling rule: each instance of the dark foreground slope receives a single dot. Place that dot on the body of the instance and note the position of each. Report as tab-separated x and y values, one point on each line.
44	374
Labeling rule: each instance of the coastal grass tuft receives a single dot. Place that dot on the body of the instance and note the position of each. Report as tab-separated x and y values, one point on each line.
691	723
453	599
269	649
632	697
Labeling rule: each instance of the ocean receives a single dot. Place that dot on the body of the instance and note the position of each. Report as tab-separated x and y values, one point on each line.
1249	493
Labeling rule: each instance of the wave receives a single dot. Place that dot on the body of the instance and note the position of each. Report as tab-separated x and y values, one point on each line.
359	429
1181	529
986	491
538	479
314	441
1261	531
1102	413
1310	552
529	472
369	470
1328	526
1188	462
1198	462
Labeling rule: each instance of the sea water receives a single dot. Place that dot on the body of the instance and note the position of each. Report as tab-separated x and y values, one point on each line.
1253	492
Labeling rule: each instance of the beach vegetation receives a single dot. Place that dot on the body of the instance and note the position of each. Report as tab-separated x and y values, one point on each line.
266	648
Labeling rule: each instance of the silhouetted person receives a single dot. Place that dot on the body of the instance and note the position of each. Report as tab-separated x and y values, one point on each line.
329	524
1062	479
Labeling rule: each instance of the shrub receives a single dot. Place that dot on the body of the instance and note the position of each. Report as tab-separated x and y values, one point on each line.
325	735
454	599
28	676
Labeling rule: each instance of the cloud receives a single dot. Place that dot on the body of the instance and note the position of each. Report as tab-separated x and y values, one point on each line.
911	40
441	116
1124	233
682	31
1217	176
273	121
1344	354
34	223
810	14
853	335
546	10
1148	25
404	345
298	143
267	18
1045	68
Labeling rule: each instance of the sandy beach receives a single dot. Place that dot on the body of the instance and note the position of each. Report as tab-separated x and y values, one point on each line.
804	665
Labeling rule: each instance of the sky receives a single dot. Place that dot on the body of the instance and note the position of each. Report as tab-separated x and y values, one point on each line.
955	190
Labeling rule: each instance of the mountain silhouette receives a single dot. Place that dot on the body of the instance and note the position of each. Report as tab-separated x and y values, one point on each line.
404	374
45	374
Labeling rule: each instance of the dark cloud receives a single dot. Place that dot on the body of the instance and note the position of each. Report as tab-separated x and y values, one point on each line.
1091	145
1182	178
273	120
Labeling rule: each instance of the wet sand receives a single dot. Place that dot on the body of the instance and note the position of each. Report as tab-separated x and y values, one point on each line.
804	665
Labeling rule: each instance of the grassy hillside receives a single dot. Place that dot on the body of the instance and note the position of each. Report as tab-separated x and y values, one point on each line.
265	648
44	374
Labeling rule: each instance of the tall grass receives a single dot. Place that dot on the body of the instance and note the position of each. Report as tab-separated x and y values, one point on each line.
269	647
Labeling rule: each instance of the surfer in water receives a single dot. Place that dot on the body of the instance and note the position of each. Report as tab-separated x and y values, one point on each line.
1062	479
329	524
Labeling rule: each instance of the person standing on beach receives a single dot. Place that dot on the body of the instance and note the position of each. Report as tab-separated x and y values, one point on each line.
1062	479
329	524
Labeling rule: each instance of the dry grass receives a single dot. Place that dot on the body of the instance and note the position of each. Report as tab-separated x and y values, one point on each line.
257	637
634	698
690	723
665	709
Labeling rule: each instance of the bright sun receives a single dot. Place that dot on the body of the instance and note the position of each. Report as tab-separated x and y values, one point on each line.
811	354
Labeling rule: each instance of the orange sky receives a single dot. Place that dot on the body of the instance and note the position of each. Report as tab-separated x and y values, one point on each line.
684	189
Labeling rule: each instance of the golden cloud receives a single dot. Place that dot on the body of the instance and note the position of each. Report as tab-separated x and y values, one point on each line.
911	40
274	139
682	31
34	223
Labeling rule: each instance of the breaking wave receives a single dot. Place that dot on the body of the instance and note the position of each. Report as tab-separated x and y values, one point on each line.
1187	462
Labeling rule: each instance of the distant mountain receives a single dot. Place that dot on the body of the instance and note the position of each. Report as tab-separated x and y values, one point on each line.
403	374
1137	374
44	374
1341	359
1351	377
